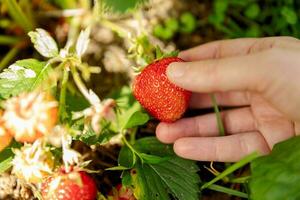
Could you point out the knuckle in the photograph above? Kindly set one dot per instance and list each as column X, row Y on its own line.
column 243, row 144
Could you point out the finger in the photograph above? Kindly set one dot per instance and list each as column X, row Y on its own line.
column 200, row 100
column 221, row 75
column 224, row 149
column 236, row 47
column 235, row 121
column 218, row 49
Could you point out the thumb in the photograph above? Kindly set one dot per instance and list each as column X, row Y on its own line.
column 220, row 75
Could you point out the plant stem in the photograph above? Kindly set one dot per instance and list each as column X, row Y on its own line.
column 18, row 15
column 80, row 84
column 8, row 40
column 132, row 135
column 218, row 116
column 240, row 179
column 116, row 28
column 131, row 147
column 62, row 96
column 231, row 169
column 9, row 56
column 226, row 190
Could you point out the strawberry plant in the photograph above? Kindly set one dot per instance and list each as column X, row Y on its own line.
column 82, row 87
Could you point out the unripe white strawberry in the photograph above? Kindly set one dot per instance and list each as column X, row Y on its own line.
column 29, row 116
column 5, row 136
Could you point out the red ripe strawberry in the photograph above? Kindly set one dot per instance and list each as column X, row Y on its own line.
column 74, row 185
column 161, row 98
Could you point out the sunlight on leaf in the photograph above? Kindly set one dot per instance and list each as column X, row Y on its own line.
column 23, row 75
column 43, row 43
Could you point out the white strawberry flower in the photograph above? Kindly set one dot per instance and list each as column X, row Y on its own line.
column 70, row 156
column 33, row 162
column 30, row 116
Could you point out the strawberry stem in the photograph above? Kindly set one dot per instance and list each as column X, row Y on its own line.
column 62, row 96
column 218, row 115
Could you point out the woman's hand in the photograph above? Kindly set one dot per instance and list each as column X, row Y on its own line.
column 261, row 77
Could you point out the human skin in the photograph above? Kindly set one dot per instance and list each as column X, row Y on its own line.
column 259, row 79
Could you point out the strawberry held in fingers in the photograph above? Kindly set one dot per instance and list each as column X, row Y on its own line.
column 73, row 185
column 161, row 98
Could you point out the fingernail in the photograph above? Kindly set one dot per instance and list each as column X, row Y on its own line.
column 176, row 70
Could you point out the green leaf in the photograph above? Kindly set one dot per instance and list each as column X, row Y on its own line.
column 121, row 6
column 151, row 159
column 136, row 119
column 126, row 157
column 125, row 114
column 172, row 24
column 126, row 178
column 90, row 137
column 188, row 22
column 277, row 176
column 75, row 102
column 226, row 190
column 161, row 178
column 289, row 14
column 43, row 43
column 5, row 165
column 220, row 6
column 117, row 168
column 7, row 152
column 6, row 156
column 22, row 76
column 252, row 11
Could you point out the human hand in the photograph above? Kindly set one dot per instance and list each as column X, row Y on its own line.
column 258, row 76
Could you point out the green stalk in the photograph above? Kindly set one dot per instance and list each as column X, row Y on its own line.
column 243, row 179
column 218, row 115
column 80, row 84
column 62, row 96
column 226, row 190
column 8, row 57
column 18, row 15
column 116, row 28
column 135, row 153
column 8, row 40
column 231, row 169
column 132, row 135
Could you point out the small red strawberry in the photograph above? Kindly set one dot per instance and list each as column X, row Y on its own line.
column 74, row 185
column 161, row 98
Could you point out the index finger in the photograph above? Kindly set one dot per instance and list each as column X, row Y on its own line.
column 235, row 47
column 218, row 49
